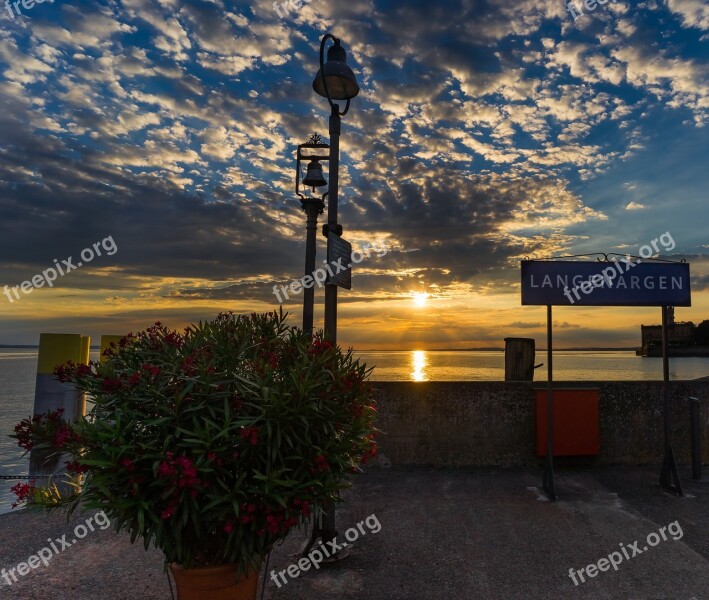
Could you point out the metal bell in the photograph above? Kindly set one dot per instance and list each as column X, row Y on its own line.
column 314, row 177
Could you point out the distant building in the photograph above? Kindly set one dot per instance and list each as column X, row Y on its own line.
column 683, row 337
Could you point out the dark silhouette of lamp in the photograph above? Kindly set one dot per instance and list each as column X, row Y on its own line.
column 334, row 79
column 313, row 151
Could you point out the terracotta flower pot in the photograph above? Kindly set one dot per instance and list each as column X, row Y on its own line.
column 215, row 583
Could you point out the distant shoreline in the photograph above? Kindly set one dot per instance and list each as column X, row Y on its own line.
column 630, row 349
column 31, row 347
column 18, row 346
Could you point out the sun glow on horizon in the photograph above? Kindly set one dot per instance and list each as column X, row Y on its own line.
column 420, row 298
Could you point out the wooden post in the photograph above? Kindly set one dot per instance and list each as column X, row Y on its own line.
column 519, row 359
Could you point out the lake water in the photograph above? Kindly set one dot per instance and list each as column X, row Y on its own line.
column 18, row 370
column 482, row 365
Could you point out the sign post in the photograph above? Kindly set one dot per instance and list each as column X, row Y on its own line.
column 669, row 478
column 630, row 281
column 548, row 478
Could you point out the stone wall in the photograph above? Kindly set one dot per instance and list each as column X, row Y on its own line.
column 492, row 423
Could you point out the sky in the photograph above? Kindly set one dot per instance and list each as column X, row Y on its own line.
column 165, row 132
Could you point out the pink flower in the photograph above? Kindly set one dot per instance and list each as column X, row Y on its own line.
column 173, row 339
column 84, row 370
column 23, row 431
column 55, row 415
column 182, row 472
column 272, row 360
column 321, row 463
column 65, row 372
column 217, row 460
column 371, row 453
column 189, row 365
column 75, row 467
column 111, row 385
column 62, row 436
column 169, row 510
column 319, row 347
column 165, row 469
column 153, row 370
column 250, row 434
column 23, row 491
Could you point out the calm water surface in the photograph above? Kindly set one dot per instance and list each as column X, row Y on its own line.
column 18, row 369
column 423, row 365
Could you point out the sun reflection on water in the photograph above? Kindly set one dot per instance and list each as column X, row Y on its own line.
column 419, row 362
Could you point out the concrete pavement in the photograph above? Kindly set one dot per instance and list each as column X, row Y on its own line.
column 445, row 533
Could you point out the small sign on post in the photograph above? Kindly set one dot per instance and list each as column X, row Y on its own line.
column 339, row 256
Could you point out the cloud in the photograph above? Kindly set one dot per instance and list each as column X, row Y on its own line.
column 694, row 13
column 527, row 325
column 635, row 206
column 173, row 126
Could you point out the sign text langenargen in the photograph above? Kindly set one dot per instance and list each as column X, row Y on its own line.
column 609, row 283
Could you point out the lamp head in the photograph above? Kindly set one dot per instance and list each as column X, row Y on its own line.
column 341, row 81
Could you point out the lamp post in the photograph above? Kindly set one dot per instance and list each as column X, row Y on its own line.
column 312, row 207
column 334, row 81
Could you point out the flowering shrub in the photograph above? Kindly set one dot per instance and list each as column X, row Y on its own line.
column 212, row 444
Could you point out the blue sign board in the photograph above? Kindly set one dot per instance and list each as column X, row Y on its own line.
column 622, row 282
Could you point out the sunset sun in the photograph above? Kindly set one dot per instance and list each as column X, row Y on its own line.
column 420, row 298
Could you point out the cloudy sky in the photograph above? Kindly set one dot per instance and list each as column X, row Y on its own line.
column 485, row 132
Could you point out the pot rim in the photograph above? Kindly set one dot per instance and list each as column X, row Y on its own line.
column 210, row 568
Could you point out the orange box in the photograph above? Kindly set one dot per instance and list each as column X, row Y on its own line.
column 577, row 427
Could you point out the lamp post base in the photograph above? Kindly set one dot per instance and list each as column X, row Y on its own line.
column 319, row 534
column 669, row 478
